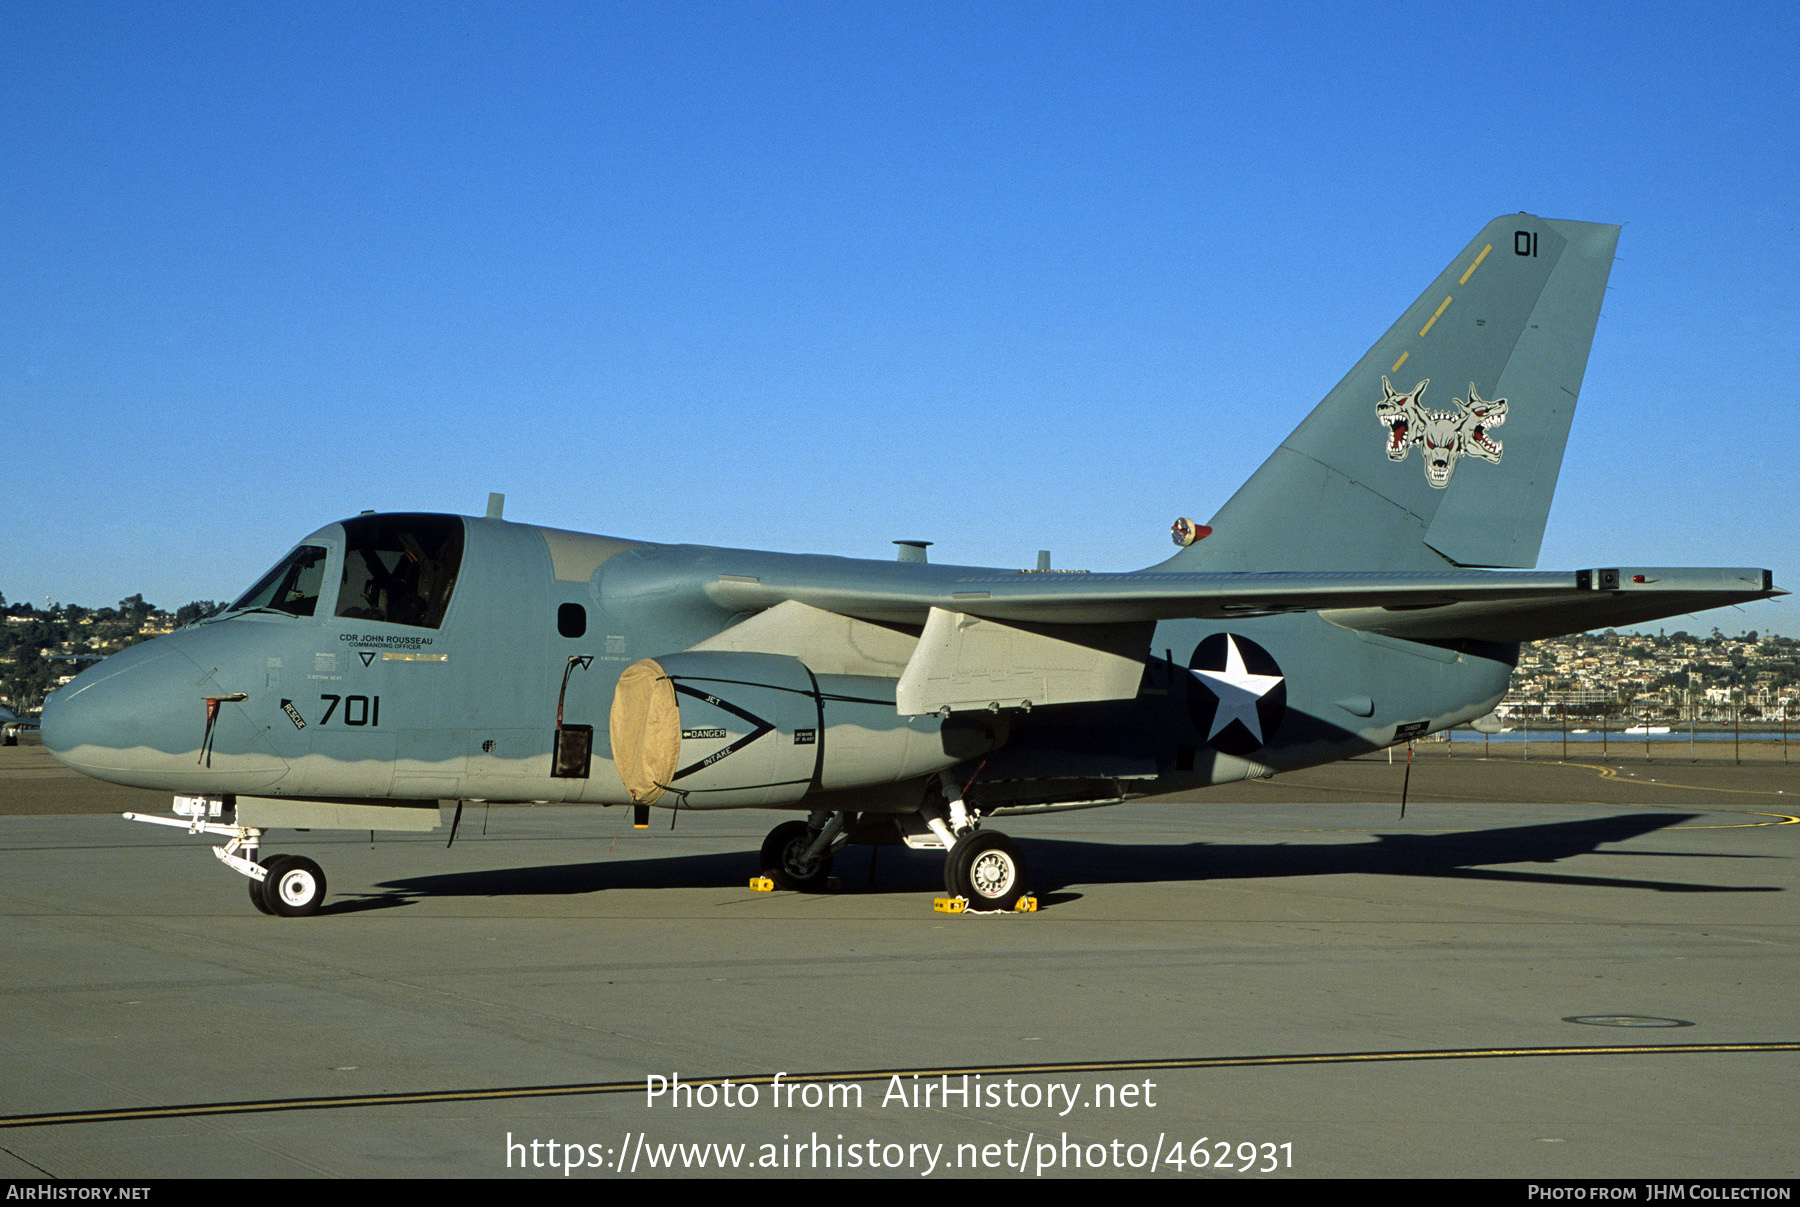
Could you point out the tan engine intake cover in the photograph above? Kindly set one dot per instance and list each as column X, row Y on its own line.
column 646, row 730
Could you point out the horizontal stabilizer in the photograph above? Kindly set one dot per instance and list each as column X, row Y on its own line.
column 1609, row 598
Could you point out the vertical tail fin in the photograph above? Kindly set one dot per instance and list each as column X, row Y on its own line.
column 1406, row 464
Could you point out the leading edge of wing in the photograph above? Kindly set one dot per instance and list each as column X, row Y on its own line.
column 1354, row 599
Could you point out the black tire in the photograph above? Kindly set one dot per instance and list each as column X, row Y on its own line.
column 781, row 852
column 987, row 868
column 954, row 862
column 259, row 889
column 296, row 888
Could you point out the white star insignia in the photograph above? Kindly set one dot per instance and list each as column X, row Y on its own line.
column 1238, row 691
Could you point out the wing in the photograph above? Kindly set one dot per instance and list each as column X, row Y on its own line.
column 1484, row 605
column 993, row 640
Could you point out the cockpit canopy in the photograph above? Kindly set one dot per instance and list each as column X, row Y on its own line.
column 400, row 569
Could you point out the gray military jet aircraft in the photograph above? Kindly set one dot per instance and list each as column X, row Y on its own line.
column 1348, row 597
column 12, row 725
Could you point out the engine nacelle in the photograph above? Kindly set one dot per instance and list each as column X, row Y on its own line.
column 736, row 730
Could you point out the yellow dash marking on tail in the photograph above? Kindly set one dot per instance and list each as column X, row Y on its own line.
column 1477, row 264
column 1433, row 318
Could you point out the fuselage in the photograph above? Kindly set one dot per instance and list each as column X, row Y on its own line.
column 414, row 657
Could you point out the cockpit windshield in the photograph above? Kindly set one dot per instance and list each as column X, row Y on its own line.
column 400, row 568
column 291, row 587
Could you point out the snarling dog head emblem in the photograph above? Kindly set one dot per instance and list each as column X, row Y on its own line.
column 1445, row 435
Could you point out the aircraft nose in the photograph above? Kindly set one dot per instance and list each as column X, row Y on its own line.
column 135, row 707
column 138, row 718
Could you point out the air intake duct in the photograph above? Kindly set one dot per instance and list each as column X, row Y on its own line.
column 733, row 730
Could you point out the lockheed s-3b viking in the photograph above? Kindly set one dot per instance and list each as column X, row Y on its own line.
column 1345, row 599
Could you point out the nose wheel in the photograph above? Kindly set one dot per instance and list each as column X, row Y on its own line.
column 293, row 888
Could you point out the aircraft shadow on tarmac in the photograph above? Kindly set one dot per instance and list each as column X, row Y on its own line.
column 1058, row 863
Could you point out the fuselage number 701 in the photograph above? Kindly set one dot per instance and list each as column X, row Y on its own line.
column 358, row 710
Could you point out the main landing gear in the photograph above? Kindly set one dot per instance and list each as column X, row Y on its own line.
column 983, row 866
column 986, row 867
column 797, row 854
column 288, row 886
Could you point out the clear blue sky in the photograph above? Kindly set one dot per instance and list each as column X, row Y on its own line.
column 816, row 277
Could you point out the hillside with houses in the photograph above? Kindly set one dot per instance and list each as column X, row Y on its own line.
column 43, row 648
column 1660, row 677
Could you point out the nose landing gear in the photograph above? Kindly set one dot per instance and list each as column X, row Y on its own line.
column 288, row 886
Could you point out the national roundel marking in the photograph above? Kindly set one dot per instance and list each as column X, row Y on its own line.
column 1238, row 694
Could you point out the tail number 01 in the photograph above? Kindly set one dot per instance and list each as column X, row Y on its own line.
column 358, row 710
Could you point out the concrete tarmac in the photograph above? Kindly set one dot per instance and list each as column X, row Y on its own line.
column 1286, row 970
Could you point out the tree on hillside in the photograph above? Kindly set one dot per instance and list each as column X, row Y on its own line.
column 200, row 609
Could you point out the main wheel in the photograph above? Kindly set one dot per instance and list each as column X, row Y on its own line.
column 781, row 854
column 988, row 869
column 296, row 887
column 259, row 889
